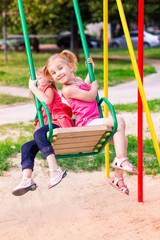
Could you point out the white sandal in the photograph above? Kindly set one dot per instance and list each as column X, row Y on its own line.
column 27, row 184
column 58, row 178
column 123, row 188
column 117, row 163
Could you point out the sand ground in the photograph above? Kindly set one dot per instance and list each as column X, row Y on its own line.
column 82, row 206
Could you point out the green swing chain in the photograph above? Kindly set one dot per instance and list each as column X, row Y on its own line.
column 85, row 47
column 32, row 71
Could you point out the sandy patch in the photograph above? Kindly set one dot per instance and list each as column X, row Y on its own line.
column 83, row 206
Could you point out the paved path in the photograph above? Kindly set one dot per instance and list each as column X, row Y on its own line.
column 123, row 93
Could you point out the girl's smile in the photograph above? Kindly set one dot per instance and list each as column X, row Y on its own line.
column 61, row 72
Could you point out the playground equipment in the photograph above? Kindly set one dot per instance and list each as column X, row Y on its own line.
column 78, row 140
column 141, row 92
column 107, row 132
column 140, row 105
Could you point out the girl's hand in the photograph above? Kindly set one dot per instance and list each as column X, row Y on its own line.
column 32, row 83
column 90, row 60
column 94, row 84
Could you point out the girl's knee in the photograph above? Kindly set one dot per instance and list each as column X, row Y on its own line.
column 25, row 147
column 36, row 135
column 40, row 133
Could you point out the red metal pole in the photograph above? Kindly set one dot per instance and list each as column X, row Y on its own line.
column 140, row 105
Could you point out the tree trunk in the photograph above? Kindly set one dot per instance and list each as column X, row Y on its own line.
column 4, row 36
column 36, row 44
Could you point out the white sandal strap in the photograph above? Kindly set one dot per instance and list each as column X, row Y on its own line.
column 55, row 169
column 119, row 161
column 117, row 179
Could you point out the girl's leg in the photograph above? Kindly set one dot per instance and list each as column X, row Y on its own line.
column 40, row 136
column 56, row 173
column 120, row 142
column 28, row 151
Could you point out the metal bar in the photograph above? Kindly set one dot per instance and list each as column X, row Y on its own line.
column 140, row 105
column 105, row 64
column 29, row 57
column 85, row 47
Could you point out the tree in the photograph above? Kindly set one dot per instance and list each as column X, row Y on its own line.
column 4, row 8
column 152, row 11
column 48, row 16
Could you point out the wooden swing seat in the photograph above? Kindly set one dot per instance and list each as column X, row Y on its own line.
column 78, row 140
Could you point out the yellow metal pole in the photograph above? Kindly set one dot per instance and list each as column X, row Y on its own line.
column 138, row 78
column 105, row 62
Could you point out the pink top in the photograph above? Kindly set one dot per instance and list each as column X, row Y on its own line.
column 84, row 112
column 60, row 112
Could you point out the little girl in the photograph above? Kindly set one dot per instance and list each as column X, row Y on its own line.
column 81, row 96
column 61, row 117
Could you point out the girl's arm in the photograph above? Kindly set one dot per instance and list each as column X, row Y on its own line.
column 74, row 92
column 46, row 97
column 87, row 80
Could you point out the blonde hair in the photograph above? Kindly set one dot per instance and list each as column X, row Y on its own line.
column 67, row 56
column 46, row 76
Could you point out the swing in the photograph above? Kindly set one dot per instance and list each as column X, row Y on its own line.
column 72, row 141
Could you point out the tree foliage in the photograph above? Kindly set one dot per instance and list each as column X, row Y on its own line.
column 51, row 17
column 48, row 16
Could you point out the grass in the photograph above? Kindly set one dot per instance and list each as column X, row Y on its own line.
column 154, row 106
column 18, row 134
column 119, row 71
column 15, row 72
column 11, row 146
column 152, row 53
column 8, row 99
column 8, row 150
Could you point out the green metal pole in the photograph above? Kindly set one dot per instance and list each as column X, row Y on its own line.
column 29, row 57
column 85, row 47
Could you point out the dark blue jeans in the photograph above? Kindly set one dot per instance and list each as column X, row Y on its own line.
column 40, row 143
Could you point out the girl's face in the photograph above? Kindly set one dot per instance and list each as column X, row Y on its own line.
column 61, row 72
column 41, row 81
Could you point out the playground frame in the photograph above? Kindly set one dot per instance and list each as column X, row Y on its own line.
column 138, row 70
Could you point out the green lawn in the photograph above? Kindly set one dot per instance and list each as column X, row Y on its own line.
column 154, row 106
column 152, row 53
column 15, row 72
column 8, row 99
